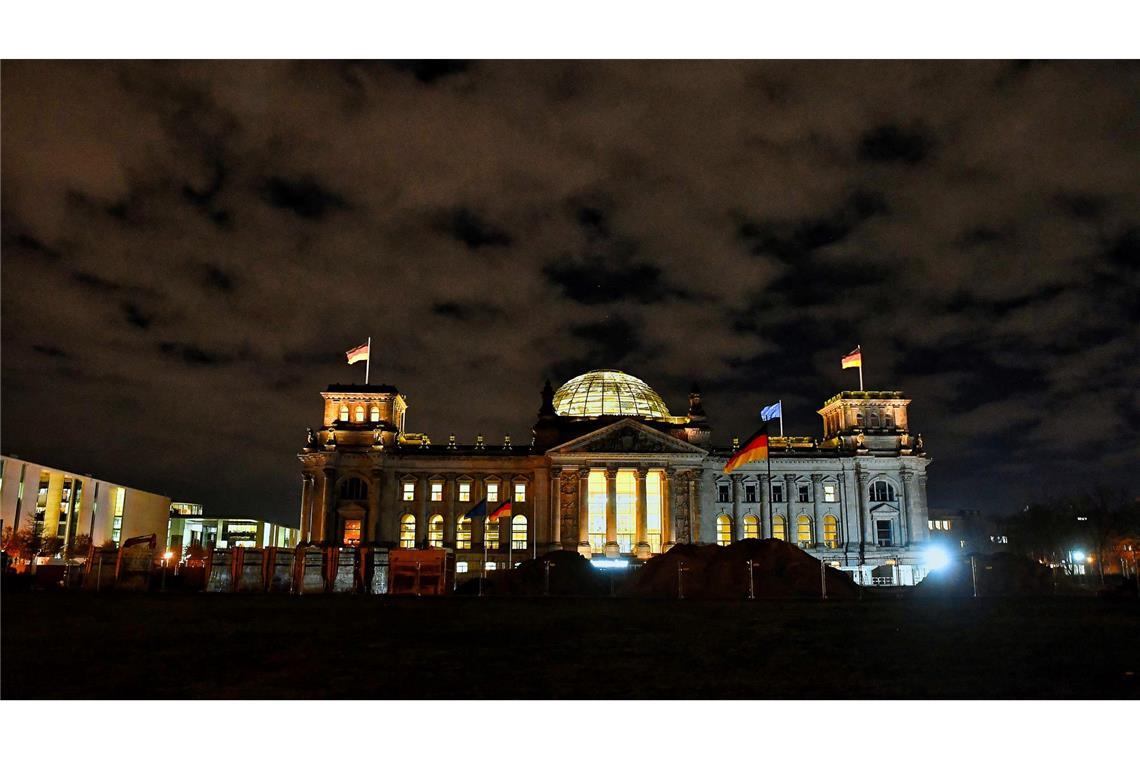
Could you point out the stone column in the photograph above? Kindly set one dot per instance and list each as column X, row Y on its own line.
column 668, row 488
column 921, row 514
column 555, row 509
column 817, row 508
column 306, row 505
column 790, row 493
column 694, row 507
column 765, row 506
column 584, row 511
column 450, row 497
column 478, row 524
column 735, row 480
column 51, row 506
column 612, row 548
column 423, row 486
column 389, row 508
column 328, row 506
column 372, row 519
column 642, row 548
column 867, row 530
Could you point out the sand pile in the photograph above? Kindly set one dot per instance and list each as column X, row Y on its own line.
column 780, row 570
column 998, row 575
column 571, row 574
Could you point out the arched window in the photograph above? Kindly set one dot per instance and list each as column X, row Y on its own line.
column 751, row 526
column 463, row 533
column 858, row 420
column 888, row 420
column 779, row 528
column 881, row 490
column 518, row 532
column 354, row 488
column 874, row 420
column 374, row 414
column 491, row 534
column 408, row 532
column 435, row 531
column 803, row 531
column 359, row 415
column 351, row 532
column 723, row 530
column 343, row 416
column 831, row 532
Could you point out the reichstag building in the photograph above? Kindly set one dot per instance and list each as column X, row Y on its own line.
column 611, row 473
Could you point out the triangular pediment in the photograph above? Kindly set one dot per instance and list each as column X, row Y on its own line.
column 627, row 437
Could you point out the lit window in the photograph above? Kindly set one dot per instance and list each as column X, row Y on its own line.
column 883, row 533
column 460, row 567
column 463, row 533
column 359, row 414
column 751, row 526
column 830, row 495
column 491, row 534
column 750, row 493
column 930, row 524
column 723, row 530
column 437, row 491
column 492, row 492
column 491, row 566
column 831, row 532
column 779, row 529
column 518, row 532
column 722, row 493
column 117, row 524
column 351, row 532
column 778, row 492
column 374, row 414
column 409, row 491
column 435, row 532
column 520, row 492
column 804, row 494
column 948, row 524
column 803, row 531
column 408, row 532
column 881, row 490
column 465, row 492
column 343, row 416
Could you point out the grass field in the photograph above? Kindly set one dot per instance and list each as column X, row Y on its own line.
column 57, row 645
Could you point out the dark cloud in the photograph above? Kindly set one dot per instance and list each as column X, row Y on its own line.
column 210, row 237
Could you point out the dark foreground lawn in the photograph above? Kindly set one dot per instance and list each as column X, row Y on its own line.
column 205, row 646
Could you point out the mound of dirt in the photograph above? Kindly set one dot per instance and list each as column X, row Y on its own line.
column 571, row 574
column 998, row 575
column 779, row 570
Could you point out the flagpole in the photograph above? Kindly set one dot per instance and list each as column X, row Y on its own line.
column 368, row 361
column 771, row 525
column 860, row 349
column 781, row 403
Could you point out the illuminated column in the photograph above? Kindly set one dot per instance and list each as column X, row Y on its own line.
column 306, row 504
column 584, row 510
column 694, row 508
column 866, row 530
column 389, row 513
column 555, row 509
column 790, row 492
column 51, row 507
column 479, row 524
column 668, row 488
column 765, row 506
column 328, row 506
column 450, row 495
column 818, row 509
column 735, row 506
column 642, row 548
column 423, row 488
column 612, row 548
column 919, row 526
column 372, row 519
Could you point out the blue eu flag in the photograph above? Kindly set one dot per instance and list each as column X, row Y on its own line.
column 772, row 412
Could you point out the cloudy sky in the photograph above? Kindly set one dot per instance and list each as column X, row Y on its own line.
column 188, row 249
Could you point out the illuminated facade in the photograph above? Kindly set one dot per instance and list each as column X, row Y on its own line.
column 60, row 507
column 188, row 527
column 609, row 472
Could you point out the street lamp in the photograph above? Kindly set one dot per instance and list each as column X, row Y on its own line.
column 681, row 570
column 546, row 581
column 165, row 562
column 751, row 579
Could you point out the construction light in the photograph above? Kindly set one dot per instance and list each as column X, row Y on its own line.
column 936, row 558
column 1078, row 556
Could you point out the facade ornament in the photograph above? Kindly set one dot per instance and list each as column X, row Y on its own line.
column 451, row 441
column 310, row 440
column 330, row 441
column 507, row 442
column 479, row 442
column 377, row 441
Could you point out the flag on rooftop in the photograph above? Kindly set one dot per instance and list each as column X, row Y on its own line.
column 773, row 411
column 853, row 359
column 755, row 449
column 358, row 354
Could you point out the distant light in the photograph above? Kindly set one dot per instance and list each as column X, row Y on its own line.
column 168, row 555
column 1078, row 556
column 937, row 558
column 610, row 562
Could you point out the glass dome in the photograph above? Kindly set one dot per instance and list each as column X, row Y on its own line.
column 608, row 391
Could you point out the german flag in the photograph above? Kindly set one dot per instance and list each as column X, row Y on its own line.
column 502, row 509
column 853, row 359
column 755, row 449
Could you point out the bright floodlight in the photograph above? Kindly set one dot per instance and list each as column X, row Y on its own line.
column 937, row 558
column 1078, row 556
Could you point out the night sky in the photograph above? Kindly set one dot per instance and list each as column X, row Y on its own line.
column 188, row 250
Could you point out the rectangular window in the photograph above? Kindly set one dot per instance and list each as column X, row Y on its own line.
column 437, row 491
column 492, row 492
column 117, row 524
column 492, row 566
column 930, row 524
column 409, row 491
column 722, row 494
column 778, row 492
column 883, row 532
column 750, row 493
column 520, row 492
column 829, row 493
column 463, row 533
column 460, row 567
column 805, row 494
column 351, row 532
column 465, row 492
column 491, row 534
